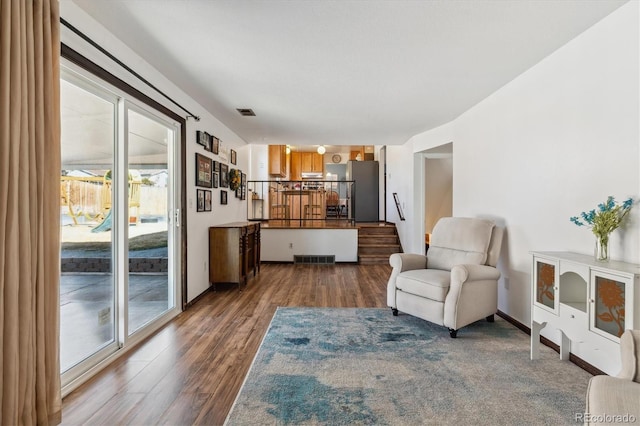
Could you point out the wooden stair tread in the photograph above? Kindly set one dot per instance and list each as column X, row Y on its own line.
column 376, row 242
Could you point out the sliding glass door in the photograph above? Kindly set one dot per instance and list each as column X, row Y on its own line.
column 150, row 289
column 118, row 197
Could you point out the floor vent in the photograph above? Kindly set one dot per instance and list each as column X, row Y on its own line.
column 314, row 259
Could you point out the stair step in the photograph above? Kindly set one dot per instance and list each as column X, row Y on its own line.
column 377, row 239
column 376, row 230
column 373, row 259
column 378, row 248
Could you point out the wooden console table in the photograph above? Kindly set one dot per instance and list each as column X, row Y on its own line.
column 234, row 252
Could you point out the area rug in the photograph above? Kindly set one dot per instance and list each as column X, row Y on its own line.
column 364, row 366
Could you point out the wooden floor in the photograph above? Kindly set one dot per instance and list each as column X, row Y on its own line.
column 191, row 370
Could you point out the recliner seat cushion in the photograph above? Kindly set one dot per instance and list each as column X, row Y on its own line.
column 428, row 283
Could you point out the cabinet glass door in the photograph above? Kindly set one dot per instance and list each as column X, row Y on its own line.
column 608, row 297
column 545, row 284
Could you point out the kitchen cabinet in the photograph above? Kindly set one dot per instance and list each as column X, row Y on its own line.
column 278, row 160
column 234, row 252
column 306, row 162
column 357, row 155
column 296, row 166
column 583, row 306
column 312, row 162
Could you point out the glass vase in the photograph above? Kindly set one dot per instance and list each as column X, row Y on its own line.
column 602, row 248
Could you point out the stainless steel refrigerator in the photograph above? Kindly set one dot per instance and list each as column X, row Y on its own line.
column 364, row 196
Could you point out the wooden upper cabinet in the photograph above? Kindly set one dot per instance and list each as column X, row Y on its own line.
column 296, row 166
column 307, row 161
column 354, row 154
column 312, row 162
column 317, row 165
column 278, row 160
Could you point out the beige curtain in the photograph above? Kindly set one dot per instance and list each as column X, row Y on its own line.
column 29, row 212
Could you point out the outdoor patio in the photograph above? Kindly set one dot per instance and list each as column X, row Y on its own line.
column 86, row 285
column 83, row 296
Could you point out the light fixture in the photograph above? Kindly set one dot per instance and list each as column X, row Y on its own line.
column 321, row 150
column 288, row 149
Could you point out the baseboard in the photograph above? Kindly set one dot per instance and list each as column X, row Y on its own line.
column 197, row 298
column 574, row 359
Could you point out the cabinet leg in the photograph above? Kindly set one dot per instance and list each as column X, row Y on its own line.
column 565, row 346
column 535, row 338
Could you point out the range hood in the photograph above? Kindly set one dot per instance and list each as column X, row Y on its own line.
column 311, row 175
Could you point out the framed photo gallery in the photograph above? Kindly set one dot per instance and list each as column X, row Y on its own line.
column 212, row 173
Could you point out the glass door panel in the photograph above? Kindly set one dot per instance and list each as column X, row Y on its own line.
column 545, row 285
column 87, row 286
column 609, row 299
column 150, row 281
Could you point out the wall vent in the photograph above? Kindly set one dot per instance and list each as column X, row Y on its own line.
column 247, row 112
column 314, row 259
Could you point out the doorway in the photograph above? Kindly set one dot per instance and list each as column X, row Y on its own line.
column 438, row 187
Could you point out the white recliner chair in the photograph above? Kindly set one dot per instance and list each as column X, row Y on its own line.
column 616, row 400
column 457, row 282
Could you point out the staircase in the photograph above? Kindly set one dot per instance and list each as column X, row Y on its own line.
column 376, row 242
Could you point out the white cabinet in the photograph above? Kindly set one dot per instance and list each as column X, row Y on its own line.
column 583, row 306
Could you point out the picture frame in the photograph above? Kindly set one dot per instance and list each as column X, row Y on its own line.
column 216, row 179
column 204, row 175
column 207, row 200
column 204, row 139
column 239, row 192
column 224, row 175
column 207, row 143
column 223, row 197
column 215, row 145
column 216, row 166
column 233, row 156
column 223, row 152
column 200, row 200
column 243, row 186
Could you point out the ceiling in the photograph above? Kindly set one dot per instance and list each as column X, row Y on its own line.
column 342, row 72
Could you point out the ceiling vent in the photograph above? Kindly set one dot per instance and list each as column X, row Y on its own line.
column 247, row 112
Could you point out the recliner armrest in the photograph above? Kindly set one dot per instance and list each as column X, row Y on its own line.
column 472, row 294
column 464, row 273
column 402, row 262
column 408, row 261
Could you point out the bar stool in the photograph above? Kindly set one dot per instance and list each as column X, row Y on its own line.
column 279, row 211
column 312, row 210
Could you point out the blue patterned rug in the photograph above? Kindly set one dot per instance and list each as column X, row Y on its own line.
column 364, row 366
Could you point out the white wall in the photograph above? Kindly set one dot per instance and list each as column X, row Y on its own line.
column 438, row 194
column 280, row 245
column 400, row 179
column 197, row 223
column 552, row 143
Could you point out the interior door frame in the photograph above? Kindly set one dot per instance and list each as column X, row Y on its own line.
column 383, row 161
